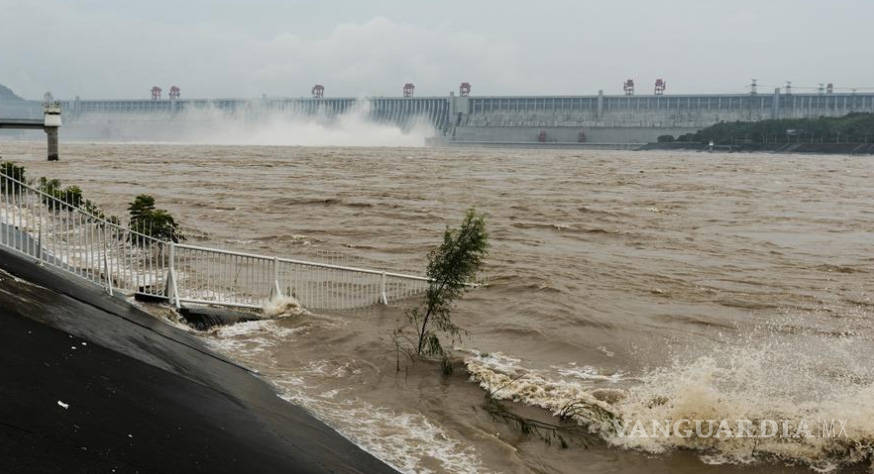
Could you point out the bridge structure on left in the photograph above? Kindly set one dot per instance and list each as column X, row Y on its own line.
column 50, row 123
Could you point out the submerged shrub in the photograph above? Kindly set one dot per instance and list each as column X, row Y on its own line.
column 10, row 174
column 157, row 223
column 57, row 198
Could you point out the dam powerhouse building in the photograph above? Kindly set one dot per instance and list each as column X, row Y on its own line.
column 464, row 118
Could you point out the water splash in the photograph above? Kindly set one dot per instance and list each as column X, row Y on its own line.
column 806, row 400
column 284, row 306
column 208, row 125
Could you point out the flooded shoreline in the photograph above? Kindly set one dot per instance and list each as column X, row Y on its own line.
column 708, row 280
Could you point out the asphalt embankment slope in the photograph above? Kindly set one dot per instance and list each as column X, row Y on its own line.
column 140, row 395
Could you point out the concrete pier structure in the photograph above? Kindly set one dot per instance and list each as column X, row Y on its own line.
column 536, row 119
column 50, row 123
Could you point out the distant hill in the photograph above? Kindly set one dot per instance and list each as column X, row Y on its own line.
column 6, row 95
column 13, row 106
column 855, row 127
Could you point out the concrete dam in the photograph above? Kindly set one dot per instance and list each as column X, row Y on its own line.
column 525, row 120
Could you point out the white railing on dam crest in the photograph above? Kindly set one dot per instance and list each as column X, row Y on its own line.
column 117, row 258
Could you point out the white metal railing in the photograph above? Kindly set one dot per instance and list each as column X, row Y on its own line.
column 206, row 275
column 118, row 258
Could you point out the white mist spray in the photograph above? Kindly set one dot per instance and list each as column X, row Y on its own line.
column 255, row 126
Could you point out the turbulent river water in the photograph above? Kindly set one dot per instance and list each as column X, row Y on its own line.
column 623, row 287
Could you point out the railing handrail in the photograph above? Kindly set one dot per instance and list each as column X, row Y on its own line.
column 302, row 262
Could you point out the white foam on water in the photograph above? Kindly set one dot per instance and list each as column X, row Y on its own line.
column 496, row 361
column 744, row 388
column 283, row 307
column 326, row 368
column 514, row 382
column 771, row 381
column 258, row 327
column 588, row 373
column 407, row 441
column 250, row 341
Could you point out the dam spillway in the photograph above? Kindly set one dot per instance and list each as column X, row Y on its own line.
column 509, row 119
column 401, row 111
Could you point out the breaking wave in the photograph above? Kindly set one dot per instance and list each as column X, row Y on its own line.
column 283, row 306
column 740, row 404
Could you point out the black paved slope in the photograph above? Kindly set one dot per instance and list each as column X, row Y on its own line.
column 142, row 396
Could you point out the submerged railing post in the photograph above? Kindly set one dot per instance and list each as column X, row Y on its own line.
column 275, row 290
column 106, row 262
column 383, row 298
column 39, row 234
column 172, row 289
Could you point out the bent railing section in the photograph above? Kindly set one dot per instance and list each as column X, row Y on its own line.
column 117, row 258
column 205, row 275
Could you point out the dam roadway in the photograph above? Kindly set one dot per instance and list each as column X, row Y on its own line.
column 589, row 119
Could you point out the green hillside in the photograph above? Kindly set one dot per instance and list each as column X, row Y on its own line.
column 851, row 128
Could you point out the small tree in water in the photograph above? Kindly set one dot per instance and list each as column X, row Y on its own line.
column 451, row 267
column 58, row 198
column 157, row 223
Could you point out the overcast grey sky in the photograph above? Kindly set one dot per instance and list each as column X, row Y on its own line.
column 120, row 49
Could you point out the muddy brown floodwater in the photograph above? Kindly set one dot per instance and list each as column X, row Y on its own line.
column 648, row 287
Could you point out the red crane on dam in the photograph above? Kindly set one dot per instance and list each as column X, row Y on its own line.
column 318, row 91
column 660, row 86
column 156, row 93
column 175, row 92
column 628, row 87
column 464, row 89
column 408, row 89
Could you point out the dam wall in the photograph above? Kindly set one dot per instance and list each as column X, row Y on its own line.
column 685, row 111
column 508, row 119
column 629, row 119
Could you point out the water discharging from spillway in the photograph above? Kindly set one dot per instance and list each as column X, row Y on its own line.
column 251, row 126
column 636, row 288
